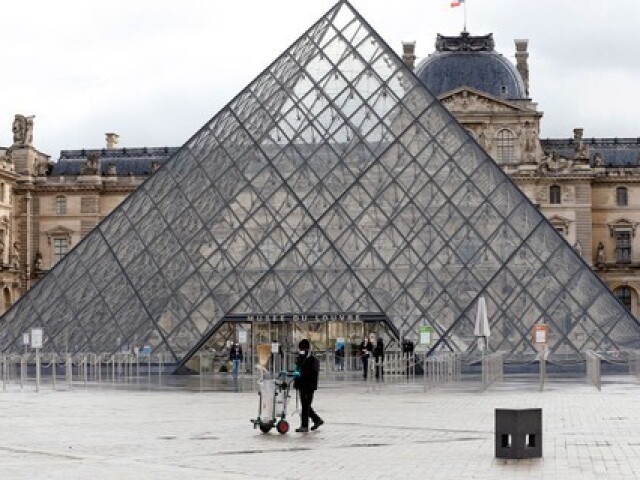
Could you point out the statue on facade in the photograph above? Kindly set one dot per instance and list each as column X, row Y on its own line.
column 554, row 162
column 37, row 264
column 482, row 139
column 598, row 161
column 601, row 255
column 582, row 151
column 578, row 248
column 22, row 131
column 15, row 256
column 91, row 166
column 1, row 252
column 530, row 141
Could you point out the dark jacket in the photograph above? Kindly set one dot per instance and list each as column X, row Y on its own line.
column 309, row 368
column 235, row 353
column 407, row 347
column 378, row 352
column 366, row 348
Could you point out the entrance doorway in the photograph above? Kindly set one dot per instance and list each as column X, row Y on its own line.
column 326, row 332
column 325, row 335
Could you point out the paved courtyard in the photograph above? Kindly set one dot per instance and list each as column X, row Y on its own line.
column 390, row 433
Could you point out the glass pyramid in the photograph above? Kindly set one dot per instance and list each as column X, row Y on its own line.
column 335, row 182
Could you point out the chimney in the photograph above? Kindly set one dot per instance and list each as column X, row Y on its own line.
column 112, row 140
column 409, row 54
column 522, row 62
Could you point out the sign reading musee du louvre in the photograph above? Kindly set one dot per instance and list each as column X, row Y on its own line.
column 306, row 317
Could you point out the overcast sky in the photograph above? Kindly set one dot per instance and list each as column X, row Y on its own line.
column 154, row 71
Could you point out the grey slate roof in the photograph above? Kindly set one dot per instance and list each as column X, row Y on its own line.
column 615, row 152
column 485, row 71
column 128, row 161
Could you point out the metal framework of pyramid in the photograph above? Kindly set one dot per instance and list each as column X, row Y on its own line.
column 335, row 182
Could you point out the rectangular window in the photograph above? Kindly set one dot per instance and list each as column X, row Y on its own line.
column 623, row 247
column 60, row 248
column 60, row 207
column 555, row 195
column 621, row 196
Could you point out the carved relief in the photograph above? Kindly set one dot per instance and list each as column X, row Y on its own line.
column 542, row 194
column 471, row 102
column 568, row 194
column 553, row 162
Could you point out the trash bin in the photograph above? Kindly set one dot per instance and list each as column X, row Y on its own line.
column 519, row 433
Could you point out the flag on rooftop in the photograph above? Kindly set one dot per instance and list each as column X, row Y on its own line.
column 456, row 3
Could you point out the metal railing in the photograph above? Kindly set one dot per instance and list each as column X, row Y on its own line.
column 64, row 371
column 492, row 369
column 441, row 368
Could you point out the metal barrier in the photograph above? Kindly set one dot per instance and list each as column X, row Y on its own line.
column 492, row 369
column 594, row 370
column 33, row 370
column 442, row 368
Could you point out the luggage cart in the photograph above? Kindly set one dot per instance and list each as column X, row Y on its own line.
column 272, row 408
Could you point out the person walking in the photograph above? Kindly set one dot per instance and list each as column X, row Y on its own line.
column 339, row 355
column 366, row 347
column 306, row 382
column 235, row 355
column 378, row 355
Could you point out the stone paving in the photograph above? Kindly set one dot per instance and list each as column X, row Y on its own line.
column 391, row 432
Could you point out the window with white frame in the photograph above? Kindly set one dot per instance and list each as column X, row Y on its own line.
column 60, row 207
column 60, row 248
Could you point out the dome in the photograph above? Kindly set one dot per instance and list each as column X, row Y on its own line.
column 471, row 62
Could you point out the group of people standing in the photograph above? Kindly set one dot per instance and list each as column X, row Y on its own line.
column 367, row 352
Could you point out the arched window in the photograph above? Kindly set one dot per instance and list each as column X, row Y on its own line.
column 506, row 146
column 555, row 194
column 624, row 295
column 2, row 192
column 622, row 197
column 61, row 205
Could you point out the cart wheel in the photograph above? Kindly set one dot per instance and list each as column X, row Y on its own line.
column 282, row 426
column 265, row 428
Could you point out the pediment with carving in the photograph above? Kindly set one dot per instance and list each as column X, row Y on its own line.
column 57, row 232
column 622, row 224
column 470, row 100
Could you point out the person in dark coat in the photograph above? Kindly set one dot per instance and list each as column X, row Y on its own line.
column 407, row 351
column 378, row 355
column 366, row 347
column 308, row 368
column 235, row 355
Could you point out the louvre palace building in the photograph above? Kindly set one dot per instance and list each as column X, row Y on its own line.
column 347, row 189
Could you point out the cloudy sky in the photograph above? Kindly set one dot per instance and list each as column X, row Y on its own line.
column 154, row 71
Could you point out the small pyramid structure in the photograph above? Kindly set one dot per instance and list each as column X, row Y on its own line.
column 334, row 182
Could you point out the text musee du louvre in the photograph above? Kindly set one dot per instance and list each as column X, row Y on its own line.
column 313, row 317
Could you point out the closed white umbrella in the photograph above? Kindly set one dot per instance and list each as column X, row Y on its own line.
column 482, row 329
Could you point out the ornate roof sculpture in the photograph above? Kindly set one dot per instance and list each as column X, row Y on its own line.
column 335, row 182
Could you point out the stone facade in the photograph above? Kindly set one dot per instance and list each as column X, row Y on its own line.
column 46, row 208
column 588, row 188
